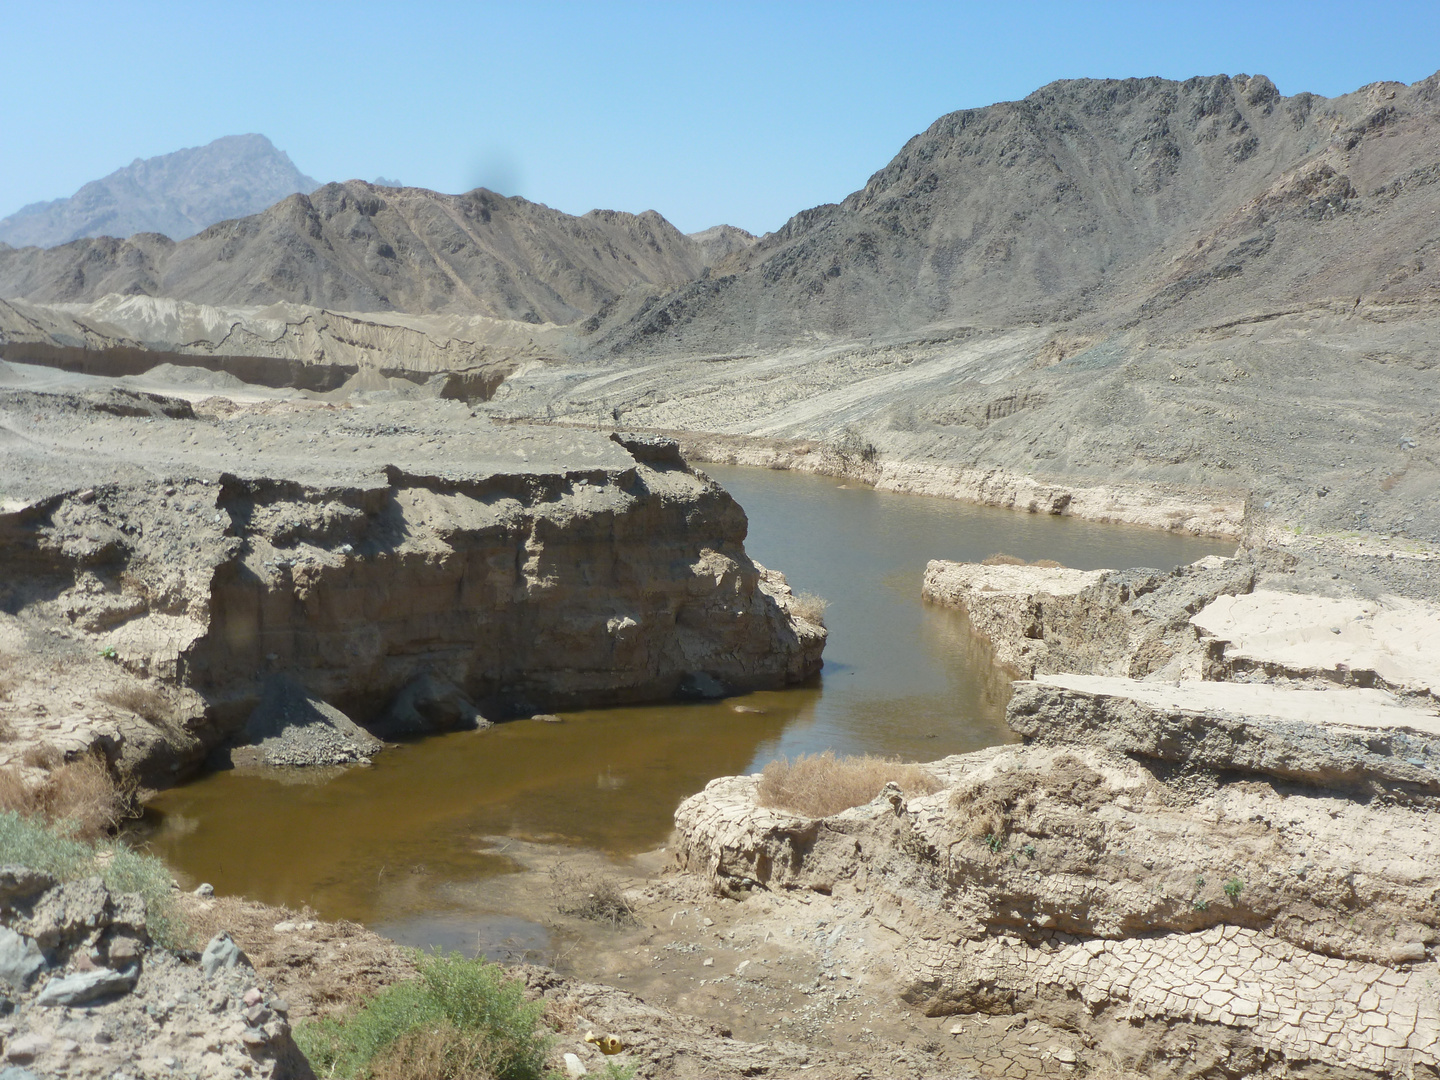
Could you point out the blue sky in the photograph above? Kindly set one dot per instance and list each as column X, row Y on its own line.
column 707, row 112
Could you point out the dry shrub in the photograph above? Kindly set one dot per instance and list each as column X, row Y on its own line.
column 42, row 756
column 1001, row 559
column 987, row 808
column 590, row 895
column 144, row 701
column 809, row 607
column 84, row 794
column 818, row 785
column 438, row 1051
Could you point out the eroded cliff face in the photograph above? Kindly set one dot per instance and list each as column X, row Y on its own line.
column 509, row 571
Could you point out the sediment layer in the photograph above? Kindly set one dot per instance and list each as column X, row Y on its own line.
column 358, row 552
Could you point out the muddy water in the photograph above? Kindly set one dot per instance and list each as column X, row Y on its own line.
column 401, row 845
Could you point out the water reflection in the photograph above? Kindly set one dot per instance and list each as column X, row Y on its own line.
column 387, row 845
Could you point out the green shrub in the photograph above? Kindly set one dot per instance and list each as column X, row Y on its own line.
column 489, row 1029
column 31, row 842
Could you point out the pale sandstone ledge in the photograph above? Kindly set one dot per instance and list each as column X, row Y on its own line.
column 1108, row 901
column 1218, row 514
column 1134, row 623
column 1393, row 639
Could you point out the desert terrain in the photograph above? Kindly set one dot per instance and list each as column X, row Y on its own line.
column 376, row 463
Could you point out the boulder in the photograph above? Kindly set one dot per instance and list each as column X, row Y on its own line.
column 85, row 986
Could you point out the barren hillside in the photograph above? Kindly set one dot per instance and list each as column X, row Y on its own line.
column 356, row 247
column 1110, row 200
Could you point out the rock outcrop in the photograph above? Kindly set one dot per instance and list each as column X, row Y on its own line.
column 1189, row 869
column 356, row 552
column 1075, row 885
column 96, row 997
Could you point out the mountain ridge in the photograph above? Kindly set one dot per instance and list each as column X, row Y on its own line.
column 176, row 194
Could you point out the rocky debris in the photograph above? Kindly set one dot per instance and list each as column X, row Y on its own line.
column 1133, row 623
column 20, row 959
column 361, row 553
column 1203, row 893
column 114, row 1004
column 1337, row 739
column 427, row 706
column 291, row 727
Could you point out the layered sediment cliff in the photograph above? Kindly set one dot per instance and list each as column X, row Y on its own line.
column 414, row 567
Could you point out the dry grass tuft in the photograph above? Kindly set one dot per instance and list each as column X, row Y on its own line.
column 591, row 895
column 144, row 701
column 818, row 785
column 809, row 607
column 438, row 1051
column 1001, row 559
column 84, row 794
column 42, row 756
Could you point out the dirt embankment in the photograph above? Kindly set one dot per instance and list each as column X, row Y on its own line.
column 181, row 577
column 1180, row 864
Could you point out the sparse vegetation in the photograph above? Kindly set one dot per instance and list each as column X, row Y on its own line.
column 58, row 850
column 809, row 607
column 818, row 785
column 1233, row 888
column 1002, row 559
column 144, row 701
column 461, row 1020
column 593, row 895
column 83, row 796
column 852, row 446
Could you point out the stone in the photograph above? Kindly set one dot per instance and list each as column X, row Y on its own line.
column 1411, row 952
column 253, row 997
column 87, row 986
column 20, row 959
column 70, row 912
column 14, row 1072
column 574, row 1067
column 26, row 1047
column 428, row 705
column 22, row 885
column 205, row 889
column 222, row 954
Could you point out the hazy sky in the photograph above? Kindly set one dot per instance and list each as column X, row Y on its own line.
column 707, row 112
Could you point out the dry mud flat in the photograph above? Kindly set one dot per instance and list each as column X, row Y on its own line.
column 1213, row 855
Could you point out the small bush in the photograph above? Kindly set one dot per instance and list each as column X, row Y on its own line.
column 818, row 785
column 461, row 1020
column 82, row 794
column 30, row 842
column 809, row 607
column 1001, row 559
column 590, row 896
column 1233, row 888
column 144, row 701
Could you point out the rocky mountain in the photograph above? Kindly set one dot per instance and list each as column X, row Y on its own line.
column 721, row 241
column 357, row 247
column 175, row 194
column 1130, row 198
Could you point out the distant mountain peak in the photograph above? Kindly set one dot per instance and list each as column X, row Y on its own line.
column 176, row 194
